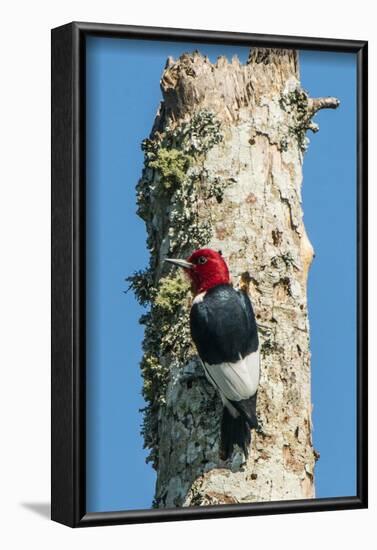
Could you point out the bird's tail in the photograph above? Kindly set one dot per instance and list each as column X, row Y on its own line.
column 234, row 431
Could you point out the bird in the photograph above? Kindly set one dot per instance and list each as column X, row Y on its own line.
column 224, row 331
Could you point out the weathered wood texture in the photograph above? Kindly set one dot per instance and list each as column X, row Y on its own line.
column 224, row 169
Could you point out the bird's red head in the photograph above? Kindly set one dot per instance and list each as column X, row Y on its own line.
column 206, row 268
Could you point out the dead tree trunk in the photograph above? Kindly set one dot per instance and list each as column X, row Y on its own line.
column 223, row 168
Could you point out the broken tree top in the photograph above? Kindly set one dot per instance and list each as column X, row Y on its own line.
column 227, row 88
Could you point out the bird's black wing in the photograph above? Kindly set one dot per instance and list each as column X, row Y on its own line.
column 223, row 325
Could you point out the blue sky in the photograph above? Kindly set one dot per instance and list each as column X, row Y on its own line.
column 122, row 98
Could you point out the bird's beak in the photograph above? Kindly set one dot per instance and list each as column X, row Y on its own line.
column 179, row 263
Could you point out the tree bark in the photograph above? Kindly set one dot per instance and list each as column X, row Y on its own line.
column 223, row 169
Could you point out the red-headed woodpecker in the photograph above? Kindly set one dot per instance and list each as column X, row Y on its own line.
column 224, row 330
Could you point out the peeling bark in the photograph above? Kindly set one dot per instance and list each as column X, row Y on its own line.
column 256, row 220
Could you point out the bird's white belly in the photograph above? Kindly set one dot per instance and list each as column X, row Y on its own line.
column 199, row 298
column 236, row 381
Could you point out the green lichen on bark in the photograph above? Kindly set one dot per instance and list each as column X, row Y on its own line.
column 174, row 174
column 296, row 103
column 165, row 340
column 172, row 165
column 175, row 180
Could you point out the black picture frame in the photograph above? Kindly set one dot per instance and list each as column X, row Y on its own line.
column 68, row 275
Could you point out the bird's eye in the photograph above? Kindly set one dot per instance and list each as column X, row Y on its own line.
column 202, row 260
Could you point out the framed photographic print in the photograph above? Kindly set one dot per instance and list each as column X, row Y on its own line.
column 209, row 292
